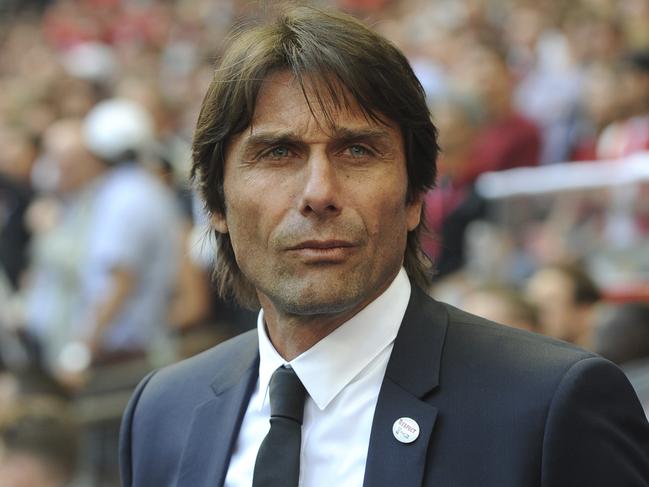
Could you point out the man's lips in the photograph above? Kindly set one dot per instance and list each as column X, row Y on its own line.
column 323, row 251
column 321, row 244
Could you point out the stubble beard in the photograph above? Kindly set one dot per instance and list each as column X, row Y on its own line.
column 292, row 297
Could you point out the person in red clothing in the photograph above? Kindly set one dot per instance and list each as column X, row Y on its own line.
column 631, row 133
column 503, row 139
column 601, row 106
column 506, row 138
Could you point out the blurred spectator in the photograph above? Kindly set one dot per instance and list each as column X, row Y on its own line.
column 21, row 373
column 105, row 271
column 503, row 305
column 506, row 138
column 629, row 134
column 542, row 56
column 61, row 226
column 190, row 302
column 567, row 300
column 133, row 243
column 39, row 445
column 18, row 151
column 481, row 131
column 622, row 335
column 600, row 107
column 452, row 205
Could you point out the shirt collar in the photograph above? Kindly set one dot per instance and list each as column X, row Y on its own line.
column 332, row 363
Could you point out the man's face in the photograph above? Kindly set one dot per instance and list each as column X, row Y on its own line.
column 317, row 214
column 75, row 166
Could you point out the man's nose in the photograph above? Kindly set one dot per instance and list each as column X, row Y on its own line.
column 321, row 195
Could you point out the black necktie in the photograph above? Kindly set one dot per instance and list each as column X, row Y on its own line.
column 278, row 459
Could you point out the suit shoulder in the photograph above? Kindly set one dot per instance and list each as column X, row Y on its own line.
column 509, row 349
column 159, row 416
column 228, row 359
column 481, row 327
column 596, row 421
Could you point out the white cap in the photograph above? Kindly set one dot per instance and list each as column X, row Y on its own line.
column 116, row 126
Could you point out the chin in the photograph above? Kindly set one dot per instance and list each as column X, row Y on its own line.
column 316, row 302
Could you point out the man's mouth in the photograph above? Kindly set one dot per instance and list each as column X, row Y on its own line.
column 320, row 251
column 321, row 244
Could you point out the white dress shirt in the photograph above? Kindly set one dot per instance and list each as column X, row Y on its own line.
column 342, row 374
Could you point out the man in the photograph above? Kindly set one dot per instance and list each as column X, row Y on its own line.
column 132, row 260
column 313, row 149
column 102, row 272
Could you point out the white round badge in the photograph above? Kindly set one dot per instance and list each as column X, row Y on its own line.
column 406, row 430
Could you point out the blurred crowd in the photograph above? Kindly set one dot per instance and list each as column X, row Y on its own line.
column 105, row 254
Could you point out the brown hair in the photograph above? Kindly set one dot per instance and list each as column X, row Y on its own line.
column 585, row 288
column 346, row 65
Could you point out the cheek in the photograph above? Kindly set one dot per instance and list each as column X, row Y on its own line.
column 387, row 218
column 252, row 214
column 246, row 240
column 243, row 220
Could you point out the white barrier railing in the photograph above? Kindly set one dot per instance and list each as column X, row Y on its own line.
column 564, row 177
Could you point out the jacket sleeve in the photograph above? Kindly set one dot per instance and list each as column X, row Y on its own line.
column 596, row 433
column 126, row 445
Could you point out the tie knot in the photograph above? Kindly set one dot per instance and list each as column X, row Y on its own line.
column 287, row 395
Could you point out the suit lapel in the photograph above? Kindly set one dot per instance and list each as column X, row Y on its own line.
column 412, row 373
column 215, row 423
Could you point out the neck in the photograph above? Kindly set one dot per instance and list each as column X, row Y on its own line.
column 291, row 335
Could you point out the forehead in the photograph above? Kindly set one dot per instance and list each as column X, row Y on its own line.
column 283, row 103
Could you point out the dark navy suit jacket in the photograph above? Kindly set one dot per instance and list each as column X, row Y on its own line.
column 496, row 407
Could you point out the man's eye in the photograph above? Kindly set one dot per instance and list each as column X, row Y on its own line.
column 358, row 150
column 278, row 152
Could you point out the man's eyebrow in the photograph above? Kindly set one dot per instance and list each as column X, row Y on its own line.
column 270, row 138
column 347, row 134
column 337, row 134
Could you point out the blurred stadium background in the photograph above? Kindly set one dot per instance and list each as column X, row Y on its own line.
column 539, row 220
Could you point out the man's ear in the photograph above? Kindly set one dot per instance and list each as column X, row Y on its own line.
column 219, row 222
column 414, row 210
